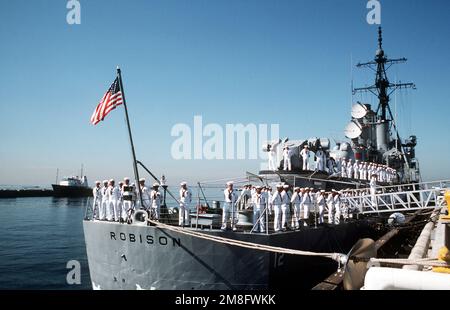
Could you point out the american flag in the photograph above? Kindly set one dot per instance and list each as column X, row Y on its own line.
column 111, row 99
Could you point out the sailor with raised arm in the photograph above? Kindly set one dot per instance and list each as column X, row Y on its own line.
column 229, row 208
column 97, row 194
column 287, row 154
column 305, row 157
column 321, row 203
column 259, row 204
column 185, row 202
column 273, row 155
column 105, row 202
column 276, row 203
column 156, row 197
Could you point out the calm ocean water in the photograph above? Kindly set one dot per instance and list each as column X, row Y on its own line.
column 38, row 236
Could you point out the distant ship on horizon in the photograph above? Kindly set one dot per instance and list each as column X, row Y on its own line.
column 73, row 186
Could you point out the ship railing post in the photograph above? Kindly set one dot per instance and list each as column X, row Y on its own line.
column 198, row 205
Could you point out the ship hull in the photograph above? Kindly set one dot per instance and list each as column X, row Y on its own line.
column 123, row 256
column 71, row 191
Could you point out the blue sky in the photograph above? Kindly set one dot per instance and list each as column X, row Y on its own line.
column 282, row 62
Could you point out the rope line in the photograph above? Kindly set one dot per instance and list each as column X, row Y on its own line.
column 245, row 244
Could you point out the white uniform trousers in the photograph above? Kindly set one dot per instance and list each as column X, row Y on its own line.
column 285, row 215
column 96, row 208
column 228, row 210
column 127, row 208
column 183, row 216
column 306, row 210
column 277, row 217
column 337, row 214
column 259, row 218
column 296, row 217
column 321, row 212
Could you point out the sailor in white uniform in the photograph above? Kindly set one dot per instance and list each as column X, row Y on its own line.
column 321, row 203
column 320, row 160
column 337, row 207
column 229, row 207
column 307, row 204
column 97, row 194
column 287, row 154
column 120, row 202
column 156, row 198
column 146, row 200
column 246, row 194
column 343, row 168
column 373, row 189
column 330, row 205
column 128, row 195
column 113, row 195
column 104, row 206
column 356, row 170
column 273, row 155
column 305, row 156
column 185, row 202
column 285, row 207
column 350, row 169
column 276, row 203
column 296, row 200
column 259, row 205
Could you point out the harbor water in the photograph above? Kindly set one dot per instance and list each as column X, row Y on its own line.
column 38, row 237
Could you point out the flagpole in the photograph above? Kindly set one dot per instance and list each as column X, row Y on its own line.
column 136, row 172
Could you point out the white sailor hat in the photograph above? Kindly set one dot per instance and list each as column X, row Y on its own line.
column 285, row 186
column 142, row 180
column 230, row 183
column 279, row 185
column 155, row 184
column 112, row 180
column 126, row 179
column 258, row 187
column 296, row 188
column 97, row 182
column 183, row 183
column 333, row 190
column 322, row 191
column 306, row 145
column 105, row 181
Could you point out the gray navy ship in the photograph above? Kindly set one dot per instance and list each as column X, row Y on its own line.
column 148, row 255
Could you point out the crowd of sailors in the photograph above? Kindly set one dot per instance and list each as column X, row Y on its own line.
column 117, row 203
column 346, row 168
column 289, row 206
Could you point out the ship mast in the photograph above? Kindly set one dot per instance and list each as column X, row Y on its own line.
column 383, row 90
